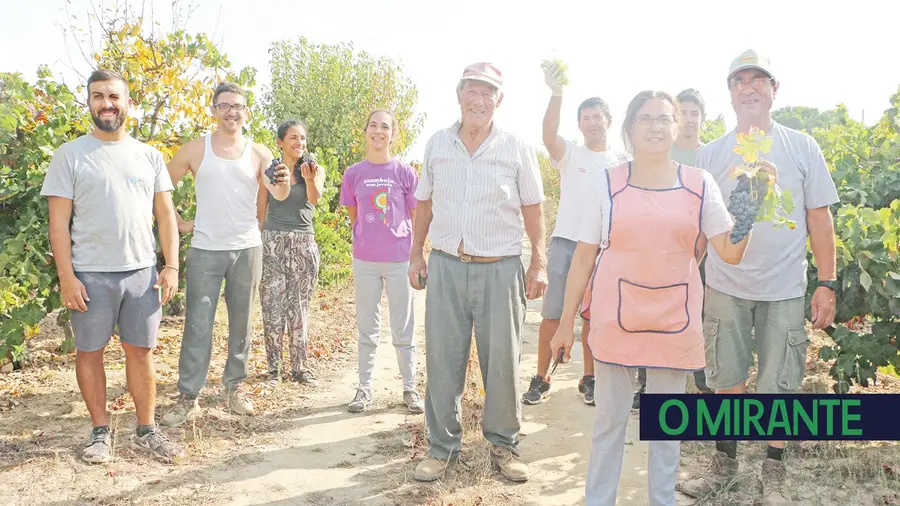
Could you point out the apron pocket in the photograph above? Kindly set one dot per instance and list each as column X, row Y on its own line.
column 657, row 309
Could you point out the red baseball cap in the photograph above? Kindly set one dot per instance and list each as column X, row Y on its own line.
column 484, row 72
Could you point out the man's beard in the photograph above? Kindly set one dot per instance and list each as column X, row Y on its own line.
column 112, row 125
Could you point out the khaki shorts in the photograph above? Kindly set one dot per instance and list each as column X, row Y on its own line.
column 781, row 342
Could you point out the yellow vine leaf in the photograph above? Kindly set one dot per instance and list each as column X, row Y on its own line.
column 752, row 142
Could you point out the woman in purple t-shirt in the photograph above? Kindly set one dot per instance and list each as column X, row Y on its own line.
column 378, row 193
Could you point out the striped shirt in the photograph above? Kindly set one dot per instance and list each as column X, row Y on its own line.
column 478, row 199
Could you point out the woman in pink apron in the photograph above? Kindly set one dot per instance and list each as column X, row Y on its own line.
column 650, row 220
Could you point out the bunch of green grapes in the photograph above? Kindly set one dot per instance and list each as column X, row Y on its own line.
column 564, row 79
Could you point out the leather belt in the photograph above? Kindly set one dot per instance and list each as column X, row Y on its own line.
column 472, row 259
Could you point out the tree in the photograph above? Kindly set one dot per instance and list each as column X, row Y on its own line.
column 712, row 129
column 332, row 88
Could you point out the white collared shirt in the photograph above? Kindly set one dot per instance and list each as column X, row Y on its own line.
column 478, row 199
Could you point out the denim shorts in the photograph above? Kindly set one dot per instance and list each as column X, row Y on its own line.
column 781, row 342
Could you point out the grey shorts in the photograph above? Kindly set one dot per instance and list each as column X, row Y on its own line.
column 126, row 300
column 781, row 342
column 559, row 258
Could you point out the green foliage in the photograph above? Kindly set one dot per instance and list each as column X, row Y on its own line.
column 810, row 118
column 332, row 88
column 712, row 129
column 552, row 190
column 34, row 121
column 866, row 169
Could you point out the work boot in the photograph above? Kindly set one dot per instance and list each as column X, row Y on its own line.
column 722, row 471
column 536, row 391
column 511, row 467
column 236, row 400
column 774, row 490
column 430, row 469
column 185, row 409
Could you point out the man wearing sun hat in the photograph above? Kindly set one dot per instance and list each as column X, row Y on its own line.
column 763, row 298
column 479, row 191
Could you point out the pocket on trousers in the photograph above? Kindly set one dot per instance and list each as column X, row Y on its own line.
column 658, row 309
column 794, row 368
column 711, row 340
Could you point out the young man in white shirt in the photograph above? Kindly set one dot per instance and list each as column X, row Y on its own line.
column 577, row 165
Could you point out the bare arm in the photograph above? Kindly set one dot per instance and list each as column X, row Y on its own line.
column 262, row 206
column 315, row 186
column 351, row 211
column 278, row 190
column 730, row 253
column 577, row 281
column 60, row 239
column 165, row 214
column 555, row 144
column 820, row 224
column 421, row 224
column 178, row 167
column 536, row 231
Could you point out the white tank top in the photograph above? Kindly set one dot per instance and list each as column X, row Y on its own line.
column 226, row 202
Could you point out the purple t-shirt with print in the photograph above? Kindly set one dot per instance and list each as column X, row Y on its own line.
column 383, row 195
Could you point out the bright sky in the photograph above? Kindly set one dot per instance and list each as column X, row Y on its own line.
column 824, row 52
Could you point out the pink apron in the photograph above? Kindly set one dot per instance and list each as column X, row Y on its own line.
column 645, row 298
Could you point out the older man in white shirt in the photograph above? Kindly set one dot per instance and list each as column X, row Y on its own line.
column 480, row 189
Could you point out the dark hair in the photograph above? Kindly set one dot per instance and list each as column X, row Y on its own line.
column 595, row 102
column 692, row 95
column 635, row 105
column 101, row 75
column 287, row 125
column 227, row 87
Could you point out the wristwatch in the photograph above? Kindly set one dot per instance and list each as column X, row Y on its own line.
column 831, row 283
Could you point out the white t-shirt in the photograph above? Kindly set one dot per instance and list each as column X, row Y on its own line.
column 594, row 229
column 579, row 168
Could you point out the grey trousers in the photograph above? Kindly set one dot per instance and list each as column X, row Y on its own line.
column 488, row 298
column 206, row 270
column 371, row 280
column 613, row 392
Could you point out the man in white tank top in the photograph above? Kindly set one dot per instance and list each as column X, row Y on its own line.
column 227, row 168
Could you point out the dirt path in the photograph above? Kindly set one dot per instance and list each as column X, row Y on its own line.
column 304, row 448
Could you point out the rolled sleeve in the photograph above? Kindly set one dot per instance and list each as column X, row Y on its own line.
column 819, row 187
column 60, row 178
column 531, row 186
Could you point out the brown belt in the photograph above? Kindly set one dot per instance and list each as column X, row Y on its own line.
column 471, row 259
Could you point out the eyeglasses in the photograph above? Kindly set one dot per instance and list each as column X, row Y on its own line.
column 646, row 121
column 225, row 107
column 757, row 83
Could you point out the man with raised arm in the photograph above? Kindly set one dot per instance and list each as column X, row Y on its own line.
column 228, row 169
column 577, row 165
column 478, row 184
column 104, row 189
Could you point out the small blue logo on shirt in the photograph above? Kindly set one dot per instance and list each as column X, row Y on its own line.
column 138, row 179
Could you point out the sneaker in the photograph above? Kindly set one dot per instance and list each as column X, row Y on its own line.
column 511, row 466
column 236, row 400
column 157, row 444
column 773, row 478
column 721, row 473
column 636, row 403
column 359, row 403
column 305, row 377
column 536, row 391
column 586, row 387
column 97, row 449
column 184, row 409
column 413, row 402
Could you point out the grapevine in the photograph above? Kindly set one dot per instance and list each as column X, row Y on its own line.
column 756, row 197
column 563, row 79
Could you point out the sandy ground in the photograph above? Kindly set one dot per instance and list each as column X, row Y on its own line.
column 304, row 448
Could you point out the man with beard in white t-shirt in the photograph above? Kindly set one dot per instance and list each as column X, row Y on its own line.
column 577, row 165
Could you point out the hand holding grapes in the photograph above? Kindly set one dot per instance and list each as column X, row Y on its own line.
column 555, row 76
column 308, row 170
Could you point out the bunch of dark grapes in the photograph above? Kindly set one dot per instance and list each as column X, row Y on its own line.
column 270, row 172
column 743, row 207
column 305, row 158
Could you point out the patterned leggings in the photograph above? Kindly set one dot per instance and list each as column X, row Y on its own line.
column 290, row 272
